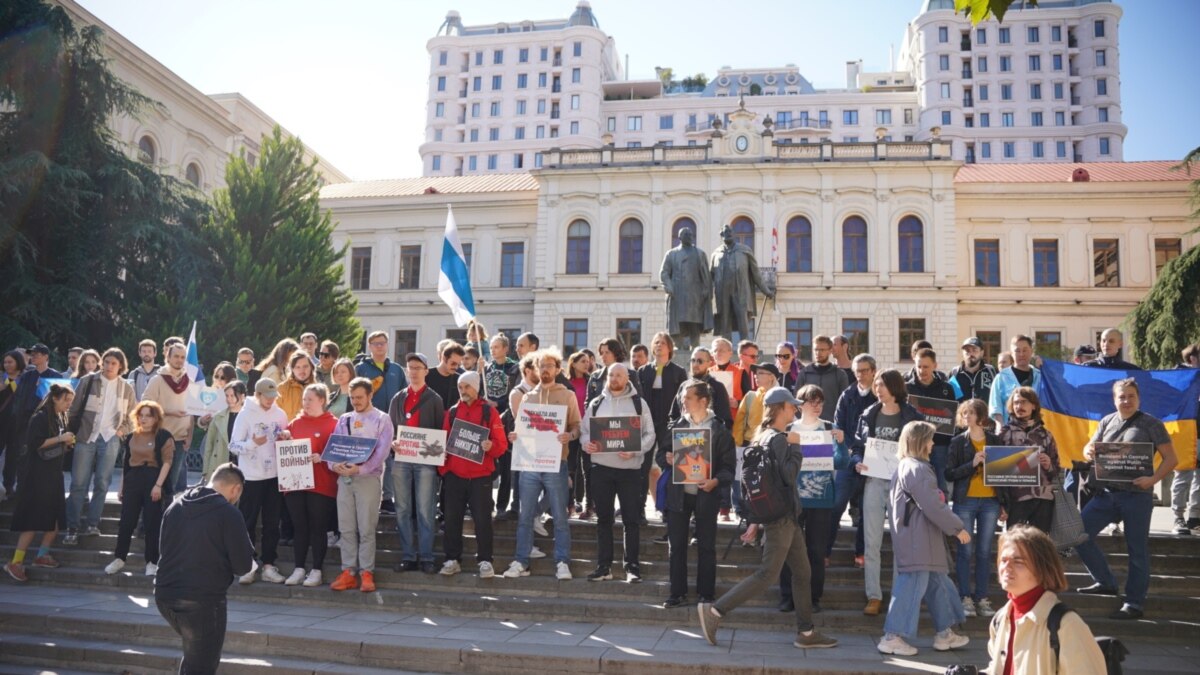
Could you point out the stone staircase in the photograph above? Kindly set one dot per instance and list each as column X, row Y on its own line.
column 78, row 617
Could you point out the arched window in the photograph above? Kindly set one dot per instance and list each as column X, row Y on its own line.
column 854, row 244
column 630, row 250
column 912, row 244
column 579, row 247
column 799, row 245
column 743, row 232
column 146, row 150
column 192, row 174
column 679, row 225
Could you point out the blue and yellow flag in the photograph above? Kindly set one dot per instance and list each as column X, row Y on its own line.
column 1075, row 398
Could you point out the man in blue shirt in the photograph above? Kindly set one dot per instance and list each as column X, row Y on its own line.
column 387, row 379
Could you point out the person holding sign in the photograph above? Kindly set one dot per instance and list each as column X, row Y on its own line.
column 701, row 500
column 882, row 420
column 976, row 504
column 1130, row 503
column 469, row 483
column 1030, row 505
column 920, row 520
column 783, row 541
column 548, row 392
column 617, row 475
column 312, row 509
column 360, row 487
column 416, row 406
column 935, row 399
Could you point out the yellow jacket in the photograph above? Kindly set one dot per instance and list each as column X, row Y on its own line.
column 749, row 416
column 1032, row 654
column 291, row 395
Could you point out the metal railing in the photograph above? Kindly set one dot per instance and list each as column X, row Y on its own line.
column 784, row 152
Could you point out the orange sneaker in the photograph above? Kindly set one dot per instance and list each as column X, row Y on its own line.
column 346, row 581
column 368, row 582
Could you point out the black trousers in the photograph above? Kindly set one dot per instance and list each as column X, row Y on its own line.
column 817, row 527
column 262, row 497
column 136, row 502
column 1036, row 512
column 579, row 468
column 626, row 485
column 201, row 624
column 678, row 535
column 310, row 514
column 508, row 484
column 459, row 493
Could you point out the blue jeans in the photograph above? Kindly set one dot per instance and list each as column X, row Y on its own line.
column 93, row 463
column 1134, row 510
column 939, row 457
column 178, row 475
column 910, row 588
column 978, row 516
column 408, row 478
column 555, row 485
column 847, row 483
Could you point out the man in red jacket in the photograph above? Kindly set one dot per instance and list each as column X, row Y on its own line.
column 465, row 482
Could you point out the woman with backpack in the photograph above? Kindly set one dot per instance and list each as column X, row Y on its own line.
column 1020, row 638
column 783, row 538
column 921, row 520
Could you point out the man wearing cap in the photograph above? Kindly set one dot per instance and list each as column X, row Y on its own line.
column 1084, row 354
column 416, row 406
column 749, row 414
column 702, row 363
column 255, row 431
column 25, row 402
column 974, row 374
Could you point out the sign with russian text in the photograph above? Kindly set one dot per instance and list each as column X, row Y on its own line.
column 343, row 449
column 617, row 434
column 293, row 464
column 937, row 411
column 202, row 400
column 1012, row 466
column 466, row 441
column 880, row 458
column 537, row 447
column 1123, row 462
column 691, row 455
column 815, row 480
column 420, row 446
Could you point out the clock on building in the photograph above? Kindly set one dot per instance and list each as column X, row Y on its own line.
column 741, row 143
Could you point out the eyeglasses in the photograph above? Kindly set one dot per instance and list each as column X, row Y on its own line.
column 324, row 355
column 699, row 360
column 783, row 357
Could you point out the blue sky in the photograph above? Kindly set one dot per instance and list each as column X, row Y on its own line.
column 350, row 78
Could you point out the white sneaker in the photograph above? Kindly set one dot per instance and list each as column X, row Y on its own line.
column 115, row 566
column 969, row 607
column 247, row 578
column 151, row 569
column 539, row 528
column 894, row 644
column 984, row 607
column 562, row 572
column 536, row 552
column 515, row 570
column 450, row 568
column 271, row 573
column 313, row 578
column 331, row 539
column 296, row 577
column 948, row 639
column 486, row 571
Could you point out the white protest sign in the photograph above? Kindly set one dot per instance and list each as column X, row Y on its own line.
column 881, row 459
column 420, row 446
column 537, row 447
column 293, row 461
column 202, row 400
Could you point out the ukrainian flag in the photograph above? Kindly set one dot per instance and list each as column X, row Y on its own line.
column 1075, row 398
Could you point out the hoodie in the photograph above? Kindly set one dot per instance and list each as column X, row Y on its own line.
column 204, row 545
column 257, row 462
column 557, row 394
column 618, row 405
column 832, row 381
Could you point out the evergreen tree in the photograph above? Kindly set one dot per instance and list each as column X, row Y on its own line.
column 90, row 239
column 274, row 271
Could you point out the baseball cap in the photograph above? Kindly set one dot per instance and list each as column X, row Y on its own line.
column 267, row 387
column 769, row 367
column 418, row 356
column 972, row 342
column 780, row 395
column 1085, row 350
column 39, row 348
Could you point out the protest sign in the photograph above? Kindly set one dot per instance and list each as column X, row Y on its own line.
column 617, row 434
column 691, row 451
column 466, row 441
column 202, row 400
column 342, row 449
column 725, row 377
column 293, row 464
column 815, row 480
column 420, row 446
column 537, row 447
column 1012, row 466
column 880, row 458
column 938, row 412
column 1123, row 462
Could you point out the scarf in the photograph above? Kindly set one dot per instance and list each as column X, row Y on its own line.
column 1021, row 605
column 177, row 384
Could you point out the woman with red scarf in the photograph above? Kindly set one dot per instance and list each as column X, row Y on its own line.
column 311, row 510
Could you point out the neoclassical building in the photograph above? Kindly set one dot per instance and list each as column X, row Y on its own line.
column 885, row 242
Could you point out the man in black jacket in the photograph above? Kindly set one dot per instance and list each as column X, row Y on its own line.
column 1111, row 342
column 826, row 374
column 204, row 547
column 416, row 485
column 660, row 380
column 925, row 384
column 702, row 362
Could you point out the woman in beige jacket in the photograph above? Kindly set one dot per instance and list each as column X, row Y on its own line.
column 1031, row 572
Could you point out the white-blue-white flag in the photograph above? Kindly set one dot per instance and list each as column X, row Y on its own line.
column 193, row 359
column 454, row 281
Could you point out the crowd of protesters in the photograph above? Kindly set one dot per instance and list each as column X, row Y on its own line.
column 135, row 416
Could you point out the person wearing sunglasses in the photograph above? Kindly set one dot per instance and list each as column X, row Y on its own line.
column 327, row 355
column 787, row 357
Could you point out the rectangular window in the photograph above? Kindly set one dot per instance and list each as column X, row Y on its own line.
column 477, row 83
column 442, row 57
column 1101, row 58
column 1006, row 92
column 850, row 117
column 1045, row 263
column 495, row 108
column 441, row 83
column 539, row 131
column 1098, row 28
column 1035, row 118
column 1165, row 250
column 629, row 332
column 1060, row 118
column 1033, row 35
column 439, row 110
column 576, row 74
column 360, row 268
column 1039, row 149
column 985, row 119
column 991, row 342
column 519, row 134
column 479, row 58
column 1056, row 33
column 883, row 116
column 1101, row 86
column 1048, row 344
column 945, row 117
column 1035, row 63
column 578, row 48
column 666, row 121
column 541, row 106
column 521, row 107
column 943, row 34
column 522, row 80
column 982, row 64
column 512, row 264
column 574, row 128
column 518, row 161
column 537, row 160
column 497, row 82
column 1006, row 119
column 405, row 342
column 498, row 57
column 985, row 150
column 1058, row 91
column 633, row 123
column 410, row 267
column 575, row 336
column 987, row 262
column 800, row 333
column 437, row 163
column 945, row 90
column 1005, row 64
column 1106, row 264
column 1010, row 150
column 1035, row 91
column 494, row 134
column 1057, row 62
column 1102, row 112
column 633, row 144
column 473, row 163
column 910, row 331
column 983, row 92
column 1104, row 147
column 544, row 55
column 1005, row 37
column 944, row 62
column 541, row 80
column 612, row 124
column 523, row 55
column 493, row 162
column 574, row 101
column 1060, row 149
column 908, row 116
column 474, row 135
column 858, row 335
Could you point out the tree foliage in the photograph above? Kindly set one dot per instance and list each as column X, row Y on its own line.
column 980, row 10
column 89, row 237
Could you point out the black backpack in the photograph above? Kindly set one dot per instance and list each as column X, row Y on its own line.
column 1114, row 650
column 767, row 496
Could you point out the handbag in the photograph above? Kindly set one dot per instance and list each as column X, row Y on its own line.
column 1066, row 527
